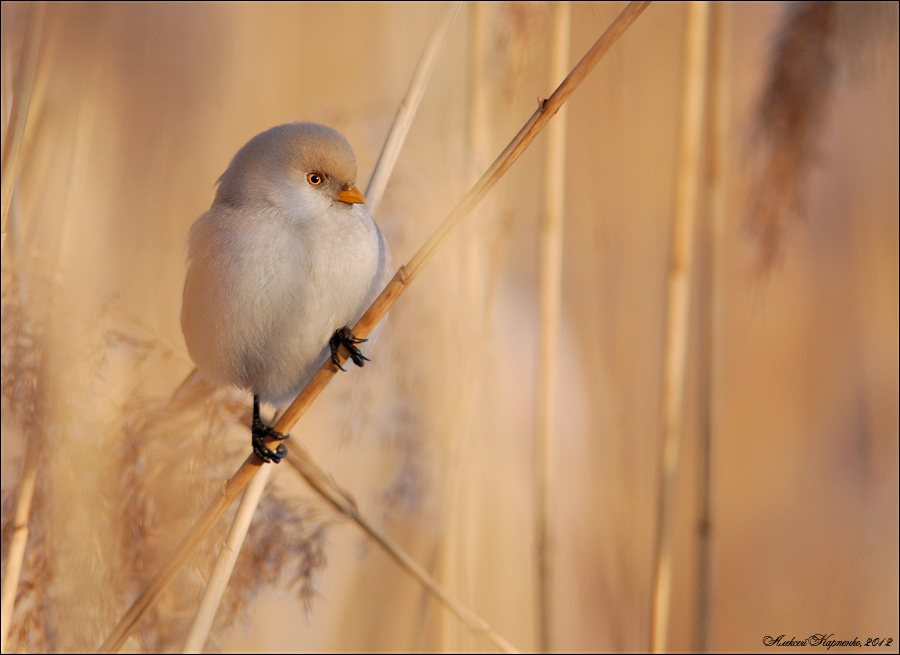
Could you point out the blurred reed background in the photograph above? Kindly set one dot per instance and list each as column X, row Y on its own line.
column 792, row 370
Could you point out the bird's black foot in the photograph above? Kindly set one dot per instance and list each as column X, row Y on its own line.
column 260, row 432
column 345, row 337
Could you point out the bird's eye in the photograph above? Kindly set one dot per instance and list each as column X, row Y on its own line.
column 314, row 178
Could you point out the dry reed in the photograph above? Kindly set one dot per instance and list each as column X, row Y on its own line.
column 406, row 112
column 713, row 328
column 379, row 308
column 550, row 307
column 228, row 554
column 23, row 395
column 21, row 101
column 345, row 504
column 679, row 304
column 21, row 91
column 505, row 43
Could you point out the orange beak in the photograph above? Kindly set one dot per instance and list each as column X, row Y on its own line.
column 352, row 196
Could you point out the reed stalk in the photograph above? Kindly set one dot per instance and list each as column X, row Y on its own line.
column 21, row 91
column 373, row 315
column 406, row 112
column 550, row 306
column 19, row 539
column 344, row 503
column 679, row 302
column 228, row 555
column 449, row 562
column 721, row 109
column 21, row 102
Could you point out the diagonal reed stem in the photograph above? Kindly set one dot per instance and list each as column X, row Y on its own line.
column 375, row 313
column 679, row 303
column 319, row 480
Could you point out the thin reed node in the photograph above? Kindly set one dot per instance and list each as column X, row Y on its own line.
column 550, row 306
column 405, row 275
column 679, row 301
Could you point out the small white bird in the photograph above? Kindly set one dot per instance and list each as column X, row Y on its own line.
column 283, row 262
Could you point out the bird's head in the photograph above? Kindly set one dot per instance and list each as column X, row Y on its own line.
column 303, row 168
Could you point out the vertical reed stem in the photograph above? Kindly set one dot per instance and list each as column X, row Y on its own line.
column 19, row 539
column 21, row 101
column 9, row 162
column 452, row 562
column 679, row 302
column 720, row 106
column 550, row 292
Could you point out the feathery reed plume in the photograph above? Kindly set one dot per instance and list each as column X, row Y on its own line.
column 550, row 307
column 159, row 445
column 23, row 401
column 863, row 28
column 679, row 303
column 175, row 451
column 29, row 621
column 813, row 42
column 287, row 543
column 789, row 120
column 373, row 315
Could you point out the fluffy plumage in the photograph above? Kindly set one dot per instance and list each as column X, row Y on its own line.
column 278, row 263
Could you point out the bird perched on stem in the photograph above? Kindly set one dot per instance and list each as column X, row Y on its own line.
column 285, row 260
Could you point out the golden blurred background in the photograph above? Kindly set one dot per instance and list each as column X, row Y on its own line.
column 792, row 373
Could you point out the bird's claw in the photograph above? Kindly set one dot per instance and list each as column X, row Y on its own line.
column 260, row 432
column 265, row 453
column 345, row 337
